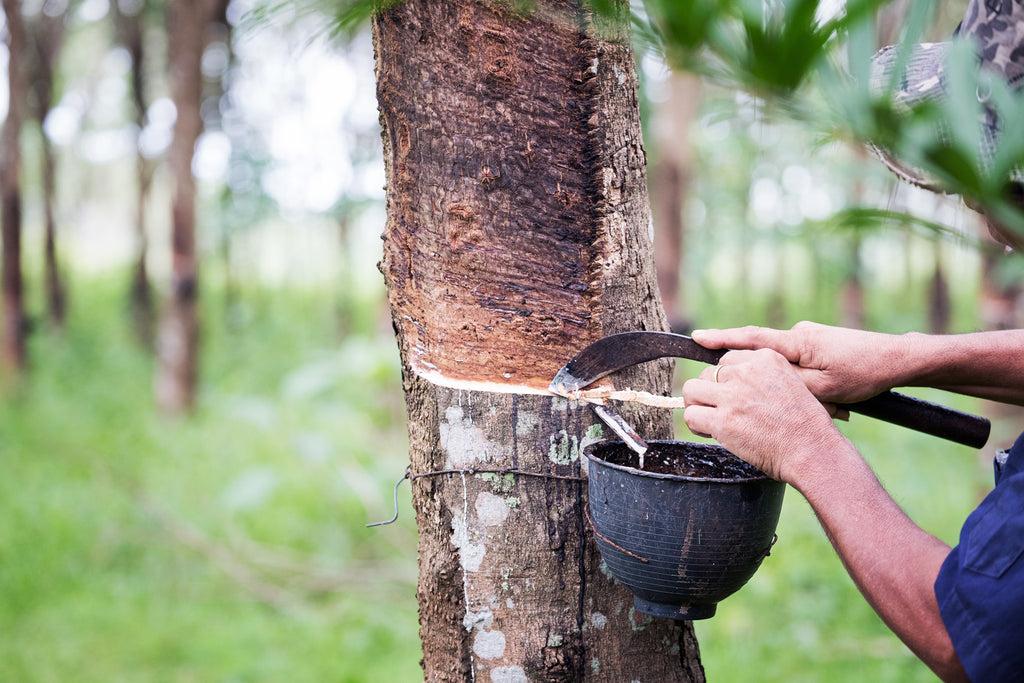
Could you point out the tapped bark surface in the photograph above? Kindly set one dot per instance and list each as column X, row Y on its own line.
column 518, row 232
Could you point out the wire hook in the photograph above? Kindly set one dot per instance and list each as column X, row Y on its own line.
column 470, row 471
column 397, row 484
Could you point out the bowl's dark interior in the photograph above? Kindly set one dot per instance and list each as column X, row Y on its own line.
column 680, row 458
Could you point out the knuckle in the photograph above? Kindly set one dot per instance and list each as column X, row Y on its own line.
column 754, row 331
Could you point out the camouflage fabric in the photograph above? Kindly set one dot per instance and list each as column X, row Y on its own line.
column 923, row 78
column 997, row 28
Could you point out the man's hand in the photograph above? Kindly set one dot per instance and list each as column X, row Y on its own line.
column 836, row 364
column 756, row 405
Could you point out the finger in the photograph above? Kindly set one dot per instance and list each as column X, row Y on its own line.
column 832, row 409
column 750, row 338
column 710, row 373
column 717, row 373
column 699, row 419
column 700, row 391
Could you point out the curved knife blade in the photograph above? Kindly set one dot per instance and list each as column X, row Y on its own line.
column 615, row 352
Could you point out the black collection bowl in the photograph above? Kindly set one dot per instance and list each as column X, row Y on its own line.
column 688, row 530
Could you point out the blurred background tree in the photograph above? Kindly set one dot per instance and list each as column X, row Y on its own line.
column 46, row 35
column 230, row 544
column 132, row 23
column 12, row 349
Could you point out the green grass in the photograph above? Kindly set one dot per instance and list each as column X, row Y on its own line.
column 225, row 547
column 230, row 546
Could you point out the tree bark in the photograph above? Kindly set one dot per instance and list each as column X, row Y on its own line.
column 517, row 232
column 12, row 344
column 178, row 335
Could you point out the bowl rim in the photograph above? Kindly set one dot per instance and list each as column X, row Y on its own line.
column 589, row 448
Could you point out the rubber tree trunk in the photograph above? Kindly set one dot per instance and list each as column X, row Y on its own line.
column 220, row 33
column 12, row 343
column 671, row 178
column 56, row 294
column 47, row 37
column 130, row 28
column 517, row 232
column 940, row 305
column 852, row 309
column 852, row 312
column 178, row 334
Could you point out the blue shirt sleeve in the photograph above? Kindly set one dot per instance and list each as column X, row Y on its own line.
column 980, row 587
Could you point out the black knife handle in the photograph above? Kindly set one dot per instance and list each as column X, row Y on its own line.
column 924, row 416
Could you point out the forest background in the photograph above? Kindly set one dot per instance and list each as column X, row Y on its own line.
column 222, row 537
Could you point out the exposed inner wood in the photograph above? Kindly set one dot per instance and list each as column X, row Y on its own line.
column 608, row 393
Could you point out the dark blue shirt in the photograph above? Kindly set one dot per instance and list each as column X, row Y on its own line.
column 980, row 587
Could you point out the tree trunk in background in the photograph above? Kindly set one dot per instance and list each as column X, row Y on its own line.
column 130, row 34
column 56, row 296
column 47, row 36
column 940, row 307
column 345, row 304
column 178, row 334
column 12, row 345
column 217, row 102
column 775, row 305
column 1002, row 299
column 517, row 232
column 851, row 291
column 671, row 176
column 1001, row 308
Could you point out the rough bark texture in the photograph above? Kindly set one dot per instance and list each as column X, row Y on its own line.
column 518, row 231
column 12, row 345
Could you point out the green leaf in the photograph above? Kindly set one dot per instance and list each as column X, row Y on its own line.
column 865, row 218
